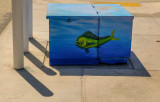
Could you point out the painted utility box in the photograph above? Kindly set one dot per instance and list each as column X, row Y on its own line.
column 85, row 34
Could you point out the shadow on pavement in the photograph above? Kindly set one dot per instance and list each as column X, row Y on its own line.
column 39, row 64
column 39, row 46
column 36, row 84
column 133, row 68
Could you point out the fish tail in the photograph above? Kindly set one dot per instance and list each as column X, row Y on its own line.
column 112, row 37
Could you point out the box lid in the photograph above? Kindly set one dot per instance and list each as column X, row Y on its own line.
column 70, row 11
column 111, row 10
column 85, row 11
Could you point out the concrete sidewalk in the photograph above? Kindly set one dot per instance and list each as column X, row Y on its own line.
column 138, row 81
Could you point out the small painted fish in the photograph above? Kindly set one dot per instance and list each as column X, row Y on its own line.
column 89, row 40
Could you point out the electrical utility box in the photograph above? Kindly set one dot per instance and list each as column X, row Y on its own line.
column 89, row 34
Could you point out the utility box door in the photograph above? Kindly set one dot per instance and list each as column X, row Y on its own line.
column 86, row 34
column 115, row 26
column 71, row 29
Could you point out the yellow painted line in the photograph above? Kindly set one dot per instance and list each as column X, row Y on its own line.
column 121, row 3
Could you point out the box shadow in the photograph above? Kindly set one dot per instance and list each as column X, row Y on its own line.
column 133, row 68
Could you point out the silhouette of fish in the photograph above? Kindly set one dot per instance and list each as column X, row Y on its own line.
column 90, row 40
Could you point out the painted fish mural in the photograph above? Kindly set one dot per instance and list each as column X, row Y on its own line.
column 89, row 40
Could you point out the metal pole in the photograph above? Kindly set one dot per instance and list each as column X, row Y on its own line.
column 17, row 21
column 25, row 25
column 30, row 14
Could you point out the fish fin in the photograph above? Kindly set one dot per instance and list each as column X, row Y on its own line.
column 113, row 33
column 89, row 34
column 112, row 37
column 86, row 50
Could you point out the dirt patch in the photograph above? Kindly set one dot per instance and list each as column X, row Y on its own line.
column 5, row 19
column 5, row 13
column 69, row 1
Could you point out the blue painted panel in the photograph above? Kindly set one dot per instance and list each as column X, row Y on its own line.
column 70, row 11
column 114, row 18
column 67, row 45
column 81, row 34
column 113, row 60
column 118, row 45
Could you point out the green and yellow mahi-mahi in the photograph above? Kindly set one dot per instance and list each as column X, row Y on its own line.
column 89, row 40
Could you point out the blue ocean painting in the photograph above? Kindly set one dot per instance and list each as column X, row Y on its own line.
column 62, row 41
column 86, row 34
column 123, row 32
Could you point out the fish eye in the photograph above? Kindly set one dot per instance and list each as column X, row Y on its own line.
column 81, row 42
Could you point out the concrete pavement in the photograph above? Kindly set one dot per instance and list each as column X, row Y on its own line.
column 138, row 81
